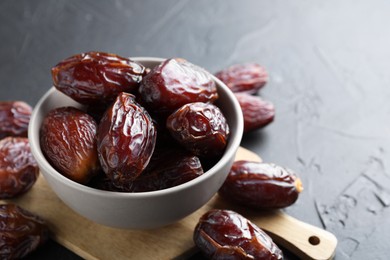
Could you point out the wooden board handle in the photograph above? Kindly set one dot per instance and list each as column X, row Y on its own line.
column 304, row 240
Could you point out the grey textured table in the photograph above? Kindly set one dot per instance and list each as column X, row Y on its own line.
column 329, row 65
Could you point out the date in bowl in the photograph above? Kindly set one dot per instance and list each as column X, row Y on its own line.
column 141, row 210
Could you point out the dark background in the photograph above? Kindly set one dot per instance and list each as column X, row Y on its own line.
column 329, row 67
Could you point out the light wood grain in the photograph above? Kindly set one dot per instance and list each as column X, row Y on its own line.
column 93, row 241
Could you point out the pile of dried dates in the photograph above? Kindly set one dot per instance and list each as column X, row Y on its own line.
column 136, row 118
column 144, row 129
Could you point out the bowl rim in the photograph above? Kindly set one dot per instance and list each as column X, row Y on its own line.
column 33, row 136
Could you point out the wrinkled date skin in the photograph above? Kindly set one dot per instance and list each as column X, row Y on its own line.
column 261, row 185
column 163, row 171
column 249, row 77
column 126, row 140
column 21, row 232
column 97, row 77
column 168, row 170
column 257, row 112
column 68, row 141
column 176, row 82
column 200, row 127
column 14, row 118
column 224, row 234
column 18, row 168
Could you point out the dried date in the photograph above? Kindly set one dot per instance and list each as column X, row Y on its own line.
column 249, row 77
column 97, row 77
column 224, row 234
column 21, row 232
column 176, row 82
column 261, row 185
column 166, row 169
column 68, row 140
column 200, row 127
column 14, row 118
column 126, row 140
column 18, row 168
column 256, row 111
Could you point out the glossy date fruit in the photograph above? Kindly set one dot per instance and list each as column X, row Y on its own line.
column 68, row 141
column 18, row 168
column 261, row 185
column 225, row 234
column 97, row 77
column 176, row 82
column 249, row 77
column 257, row 112
column 199, row 127
column 14, row 118
column 126, row 140
column 21, row 232
column 167, row 169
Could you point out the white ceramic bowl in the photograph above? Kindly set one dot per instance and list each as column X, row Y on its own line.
column 142, row 210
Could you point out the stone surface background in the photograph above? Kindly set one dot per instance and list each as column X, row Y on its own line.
column 329, row 71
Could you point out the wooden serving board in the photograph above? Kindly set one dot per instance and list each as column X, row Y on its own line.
column 94, row 241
